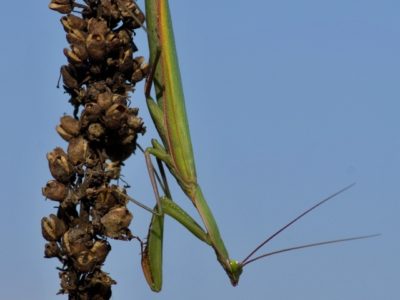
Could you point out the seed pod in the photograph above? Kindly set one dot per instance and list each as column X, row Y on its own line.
column 109, row 9
column 116, row 223
column 113, row 169
column 78, row 150
column 114, row 116
column 85, row 262
column 53, row 228
column 104, row 100
column 51, row 249
column 69, row 78
column 105, row 200
column 77, row 240
column 129, row 8
column 140, row 72
column 100, row 250
column 61, row 6
column 69, row 281
column 96, row 47
column 125, row 62
column 98, row 286
column 60, row 168
column 72, row 57
column 71, row 22
column 68, row 128
column 91, row 114
column 97, row 27
column 95, row 132
column 76, row 37
column 135, row 123
column 124, row 38
column 55, row 190
column 80, row 51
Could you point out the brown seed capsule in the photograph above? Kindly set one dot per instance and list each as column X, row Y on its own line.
column 113, row 42
column 116, row 223
column 104, row 100
column 129, row 9
column 113, row 169
column 72, row 57
column 98, row 286
column 69, row 281
column 140, row 73
column 98, row 27
column 106, row 200
column 77, row 240
column 68, row 128
column 62, row 6
column 96, row 47
column 60, row 168
column 90, row 114
column 100, row 250
column 80, row 51
column 109, row 9
column 73, row 22
column 124, row 37
column 69, row 78
column 55, row 190
column 85, row 262
column 114, row 116
column 51, row 249
column 125, row 62
column 78, row 150
column 53, row 228
column 95, row 132
column 76, row 37
column 135, row 123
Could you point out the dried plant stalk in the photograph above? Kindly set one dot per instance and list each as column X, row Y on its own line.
column 101, row 134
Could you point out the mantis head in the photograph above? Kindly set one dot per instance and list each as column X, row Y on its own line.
column 235, row 271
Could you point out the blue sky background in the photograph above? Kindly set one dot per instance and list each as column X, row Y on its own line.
column 288, row 102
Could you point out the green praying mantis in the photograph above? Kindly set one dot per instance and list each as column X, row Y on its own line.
column 168, row 113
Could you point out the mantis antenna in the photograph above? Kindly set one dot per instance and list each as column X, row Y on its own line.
column 249, row 259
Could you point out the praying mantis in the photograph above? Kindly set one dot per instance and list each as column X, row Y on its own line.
column 175, row 151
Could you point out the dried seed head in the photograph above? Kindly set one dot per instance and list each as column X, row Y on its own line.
column 140, row 72
column 114, row 116
column 72, row 57
column 76, row 37
column 80, row 51
column 96, row 47
column 106, row 199
column 68, row 128
column 77, row 240
column 105, row 100
column 85, row 262
column 109, row 9
column 51, row 249
column 60, row 168
column 55, row 190
column 116, row 223
column 53, row 228
column 98, row 286
column 98, row 27
column 69, row 281
column 113, row 169
column 100, row 250
column 61, row 6
column 95, row 132
column 71, row 22
column 90, row 114
column 78, row 149
column 135, row 123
